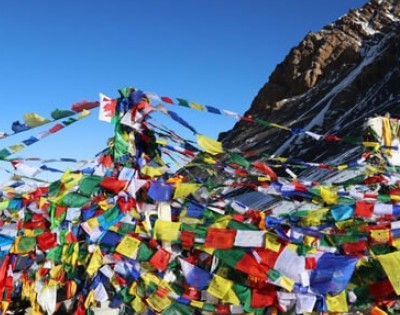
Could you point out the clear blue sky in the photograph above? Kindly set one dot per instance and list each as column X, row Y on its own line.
column 219, row 53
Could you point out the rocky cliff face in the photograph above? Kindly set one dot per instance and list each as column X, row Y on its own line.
column 329, row 84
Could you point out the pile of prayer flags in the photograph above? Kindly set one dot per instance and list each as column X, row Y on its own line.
column 132, row 235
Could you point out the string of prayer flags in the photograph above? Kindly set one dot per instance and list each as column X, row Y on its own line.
column 294, row 131
column 6, row 152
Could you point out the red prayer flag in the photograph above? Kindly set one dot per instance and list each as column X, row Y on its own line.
column 249, row 265
column 220, row 238
column 81, row 106
column 46, row 241
column 187, row 239
column 268, row 257
column 160, row 259
column 364, row 209
column 356, row 248
column 265, row 169
column 56, row 128
column 311, row 263
column 113, row 184
column 166, row 99
column 263, row 297
column 381, row 289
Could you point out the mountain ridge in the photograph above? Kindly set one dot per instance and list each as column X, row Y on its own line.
column 329, row 84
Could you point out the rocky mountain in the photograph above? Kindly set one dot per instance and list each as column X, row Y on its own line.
column 328, row 84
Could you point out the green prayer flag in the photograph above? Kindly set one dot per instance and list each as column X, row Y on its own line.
column 54, row 188
column 208, row 307
column 26, row 244
column 240, row 160
column 4, row 153
column 54, row 254
column 121, row 147
column 124, row 92
column 236, row 225
column 178, row 309
column 54, row 218
column 182, row 102
column 273, row 274
column 69, row 121
column 74, row 200
column 263, row 122
column 110, row 215
column 384, row 198
column 230, row 256
column 89, row 185
column 244, row 295
column 58, row 114
column 145, row 252
column 353, row 140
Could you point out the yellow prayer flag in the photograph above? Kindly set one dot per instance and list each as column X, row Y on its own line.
column 185, row 189
column 96, row 261
column 280, row 126
column 70, row 180
column 196, row 304
column 90, row 299
column 396, row 243
column 84, row 114
column 387, row 134
column 286, row 283
column 373, row 145
column 141, row 229
column 93, row 223
column 219, row 286
column 197, row 106
column 344, row 224
column 152, row 171
column 158, row 303
column 231, row 298
column 167, row 231
column 138, row 305
column 328, row 195
column 149, row 277
column 73, row 288
column 380, row 236
column 209, row 160
column 342, row 167
column 314, row 217
column 389, row 263
column 337, row 303
column 222, row 223
column 4, row 306
column 210, row 145
column 105, row 205
column 56, row 272
column 4, row 204
column 128, row 246
column 133, row 289
column 16, row 147
column 162, row 142
column 309, row 240
column 271, row 242
column 34, row 120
